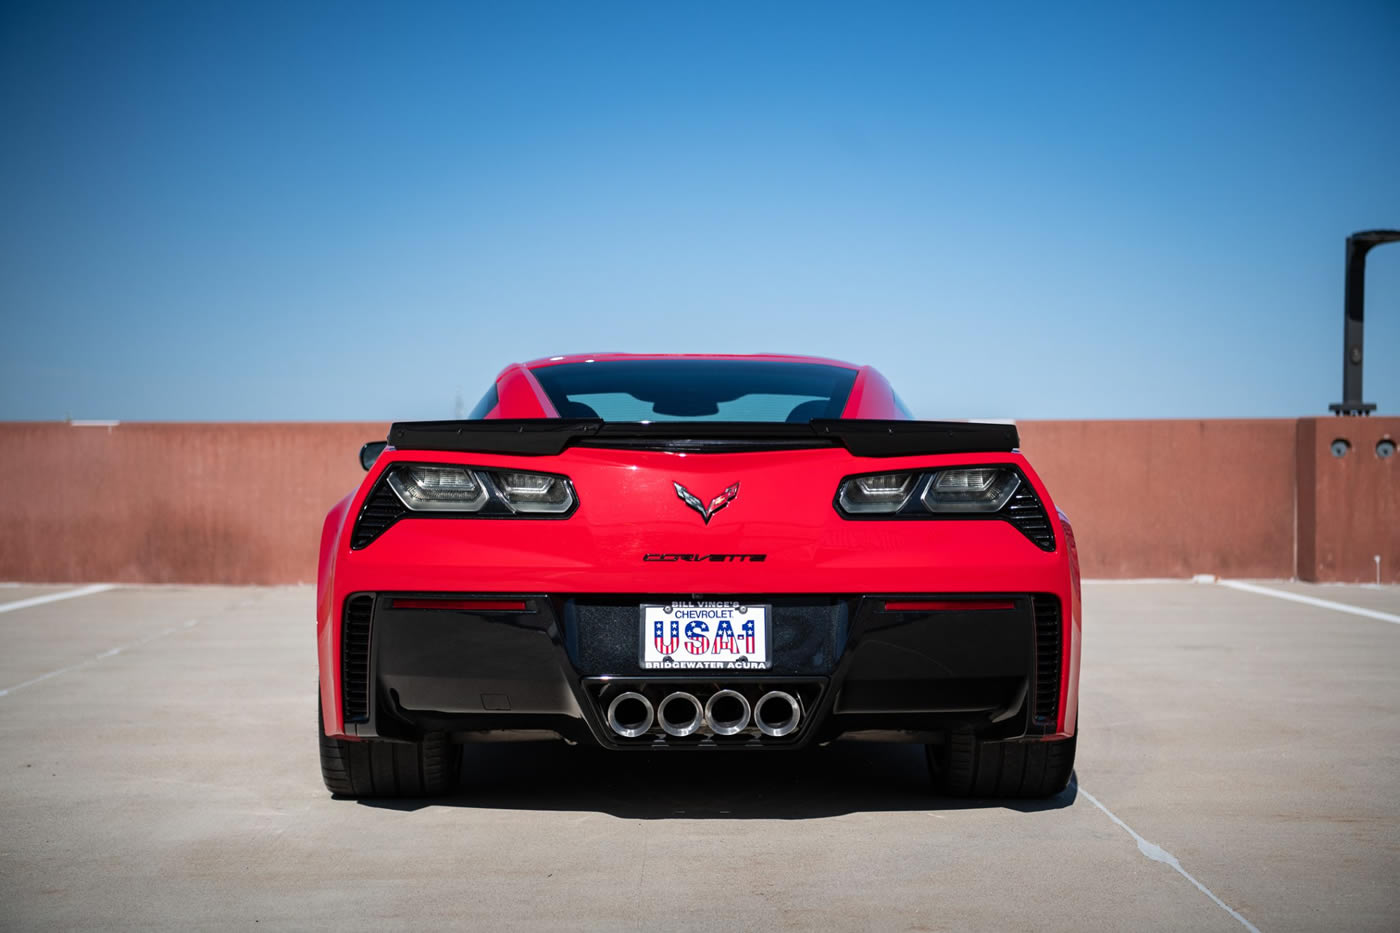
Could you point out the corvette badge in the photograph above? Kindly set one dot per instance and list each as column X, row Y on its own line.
column 717, row 503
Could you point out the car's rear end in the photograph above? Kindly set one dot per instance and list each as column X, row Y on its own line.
column 700, row 585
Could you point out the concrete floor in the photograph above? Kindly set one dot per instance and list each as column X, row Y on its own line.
column 160, row 771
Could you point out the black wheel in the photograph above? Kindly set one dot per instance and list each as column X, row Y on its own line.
column 965, row 767
column 373, row 768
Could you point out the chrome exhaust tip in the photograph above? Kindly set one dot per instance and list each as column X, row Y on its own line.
column 630, row 714
column 727, row 712
column 777, row 713
column 680, row 714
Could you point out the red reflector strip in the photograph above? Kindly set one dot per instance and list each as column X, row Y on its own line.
column 948, row 605
column 462, row 605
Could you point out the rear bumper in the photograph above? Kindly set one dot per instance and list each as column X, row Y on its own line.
column 527, row 664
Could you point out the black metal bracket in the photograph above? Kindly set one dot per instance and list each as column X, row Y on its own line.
column 1354, row 319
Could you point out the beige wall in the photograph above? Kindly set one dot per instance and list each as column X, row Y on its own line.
column 243, row 503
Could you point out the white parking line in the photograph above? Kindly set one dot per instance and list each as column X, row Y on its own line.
column 1159, row 854
column 1312, row 601
column 55, row 597
column 110, row 652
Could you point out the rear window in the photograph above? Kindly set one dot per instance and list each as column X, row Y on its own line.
column 697, row 390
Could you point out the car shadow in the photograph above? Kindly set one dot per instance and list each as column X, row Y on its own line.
column 845, row 777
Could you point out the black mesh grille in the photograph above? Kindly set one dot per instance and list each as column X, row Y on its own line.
column 381, row 509
column 1028, row 515
column 354, row 658
column 1047, row 659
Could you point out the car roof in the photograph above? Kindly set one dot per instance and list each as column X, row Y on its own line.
column 745, row 357
column 519, row 394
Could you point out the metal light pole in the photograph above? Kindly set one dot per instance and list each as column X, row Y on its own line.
column 1354, row 313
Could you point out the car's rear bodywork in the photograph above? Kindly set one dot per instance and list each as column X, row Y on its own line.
column 899, row 625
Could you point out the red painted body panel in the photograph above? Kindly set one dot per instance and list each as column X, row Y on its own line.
column 628, row 508
column 872, row 397
column 610, row 357
column 1069, row 684
column 326, row 636
column 520, row 396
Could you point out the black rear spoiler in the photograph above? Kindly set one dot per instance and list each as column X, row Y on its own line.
column 547, row 436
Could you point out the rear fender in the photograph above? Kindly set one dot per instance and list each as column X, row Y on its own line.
column 1074, row 634
column 327, row 625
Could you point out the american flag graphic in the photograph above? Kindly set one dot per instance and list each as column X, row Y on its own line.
column 724, row 638
column 665, row 644
column 697, row 637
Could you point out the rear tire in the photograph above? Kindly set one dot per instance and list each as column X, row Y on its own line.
column 376, row 768
column 965, row 767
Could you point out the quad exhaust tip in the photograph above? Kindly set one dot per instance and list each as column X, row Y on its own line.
column 680, row 714
column 777, row 713
column 727, row 712
column 630, row 714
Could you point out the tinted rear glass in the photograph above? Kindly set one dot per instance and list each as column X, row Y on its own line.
column 697, row 390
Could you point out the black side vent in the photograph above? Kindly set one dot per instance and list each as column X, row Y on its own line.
column 1026, row 512
column 381, row 509
column 354, row 658
column 1047, row 661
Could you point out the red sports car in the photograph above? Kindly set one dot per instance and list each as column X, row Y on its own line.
column 697, row 553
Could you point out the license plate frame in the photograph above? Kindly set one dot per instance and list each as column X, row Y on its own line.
column 693, row 631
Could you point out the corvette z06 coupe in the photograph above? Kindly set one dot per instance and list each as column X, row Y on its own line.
column 697, row 554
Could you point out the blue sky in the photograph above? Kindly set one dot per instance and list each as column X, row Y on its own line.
column 244, row 211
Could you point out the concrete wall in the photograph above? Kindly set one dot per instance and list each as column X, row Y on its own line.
column 171, row 503
column 1348, row 506
column 243, row 503
column 1172, row 498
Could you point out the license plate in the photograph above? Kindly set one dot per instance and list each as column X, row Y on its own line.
column 705, row 635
